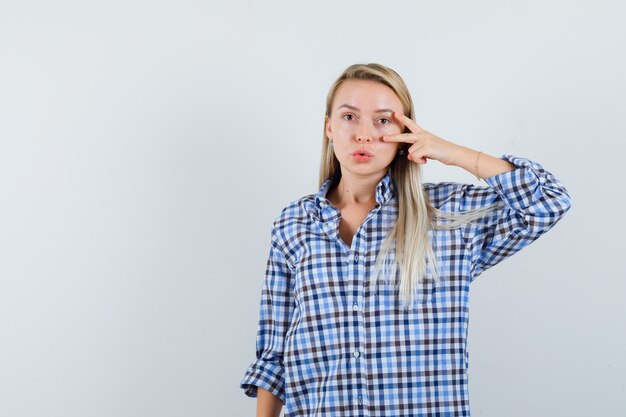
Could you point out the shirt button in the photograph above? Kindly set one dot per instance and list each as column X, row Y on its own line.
column 356, row 353
column 356, row 258
column 360, row 399
column 355, row 307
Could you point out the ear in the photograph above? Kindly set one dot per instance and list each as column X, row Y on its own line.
column 327, row 126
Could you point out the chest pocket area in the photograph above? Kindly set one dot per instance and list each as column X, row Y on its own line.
column 317, row 289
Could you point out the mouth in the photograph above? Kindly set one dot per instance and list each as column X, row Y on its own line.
column 361, row 155
column 362, row 152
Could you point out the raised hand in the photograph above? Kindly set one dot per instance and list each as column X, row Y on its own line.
column 424, row 145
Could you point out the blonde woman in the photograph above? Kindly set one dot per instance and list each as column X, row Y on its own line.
column 364, row 305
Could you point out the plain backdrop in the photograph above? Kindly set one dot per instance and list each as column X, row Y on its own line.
column 147, row 146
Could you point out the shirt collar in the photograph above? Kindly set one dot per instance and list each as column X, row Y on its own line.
column 384, row 191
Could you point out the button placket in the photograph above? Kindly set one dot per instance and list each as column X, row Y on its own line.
column 356, row 271
column 358, row 308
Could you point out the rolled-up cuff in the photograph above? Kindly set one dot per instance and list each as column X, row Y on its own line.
column 522, row 186
column 266, row 375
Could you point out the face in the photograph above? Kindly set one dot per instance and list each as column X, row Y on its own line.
column 361, row 115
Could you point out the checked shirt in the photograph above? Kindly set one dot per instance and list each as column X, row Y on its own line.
column 329, row 344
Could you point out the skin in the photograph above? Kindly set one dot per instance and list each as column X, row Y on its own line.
column 425, row 145
column 361, row 126
column 268, row 404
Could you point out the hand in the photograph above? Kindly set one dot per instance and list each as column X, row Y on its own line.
column 424, row 144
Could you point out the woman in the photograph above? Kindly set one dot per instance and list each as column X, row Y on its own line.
column 364, row 306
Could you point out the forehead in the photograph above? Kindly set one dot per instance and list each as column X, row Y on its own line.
column 367, row 95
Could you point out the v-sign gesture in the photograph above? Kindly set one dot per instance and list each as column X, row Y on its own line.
column 424, row 145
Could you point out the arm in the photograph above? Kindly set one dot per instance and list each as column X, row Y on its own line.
column 276, row 309
column 267, row 404
column 487, row 165
column 423, row 145
column 534, row 201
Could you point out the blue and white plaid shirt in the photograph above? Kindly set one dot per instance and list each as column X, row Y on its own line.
column 330, row 345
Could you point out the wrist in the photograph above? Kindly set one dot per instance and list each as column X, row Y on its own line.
column 463, row 157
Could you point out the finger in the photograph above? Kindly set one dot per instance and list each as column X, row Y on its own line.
column 419, row 160
column 407, row 121
column 415, row 147
column 400, row 137
column 416, row 154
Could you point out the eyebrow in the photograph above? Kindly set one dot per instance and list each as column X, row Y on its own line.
column 357, row 109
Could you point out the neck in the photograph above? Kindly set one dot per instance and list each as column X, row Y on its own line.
column 355, row 190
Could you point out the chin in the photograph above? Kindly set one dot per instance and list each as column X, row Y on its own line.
column 364, row 169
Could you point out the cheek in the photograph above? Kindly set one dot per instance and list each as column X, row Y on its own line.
column 342, row 129
column 389, row 148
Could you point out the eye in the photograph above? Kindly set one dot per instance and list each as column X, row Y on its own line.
column 385, row 121
column 348, row 116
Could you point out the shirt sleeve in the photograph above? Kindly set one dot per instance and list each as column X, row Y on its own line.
column 534, row 201
column 267, row 370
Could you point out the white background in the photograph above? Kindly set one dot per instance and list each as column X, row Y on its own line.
column 147, row 146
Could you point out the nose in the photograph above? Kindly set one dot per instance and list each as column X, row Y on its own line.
column 363, row 135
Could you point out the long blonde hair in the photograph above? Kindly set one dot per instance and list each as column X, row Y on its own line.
column 414, row 251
